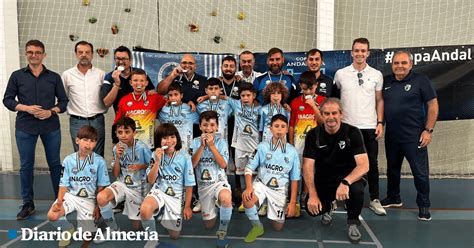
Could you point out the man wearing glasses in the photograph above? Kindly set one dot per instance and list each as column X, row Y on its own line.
column 185, row 74
column 38, row 95
column 360, row 87
column 116, row 83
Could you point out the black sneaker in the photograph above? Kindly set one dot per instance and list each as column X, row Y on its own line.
column 26, row 211
column 391, row 202
column 424, row 214
column 119, row 207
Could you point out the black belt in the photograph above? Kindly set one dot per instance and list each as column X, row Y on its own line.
column 86, row 118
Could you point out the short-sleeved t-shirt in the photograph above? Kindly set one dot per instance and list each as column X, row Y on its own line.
column 139, row 153
column 266, row 114
column 276, row 167
column 246, row 134
column 287, row 80
column 334, row 154
column 208, row 172
column 192, row 87
column 405, row 106
column 175, row 173
column 182, row 118
column 223, row 109
column 83, row 177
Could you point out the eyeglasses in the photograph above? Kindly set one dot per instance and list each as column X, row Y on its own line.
column 30, row 53
column 187, row 63
column 121, row 59
column 359, row 76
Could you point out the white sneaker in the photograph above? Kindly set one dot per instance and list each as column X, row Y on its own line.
column 66, row 242
column 151, row 244
column 263, row 210
column 197, row 207
column 377, row 208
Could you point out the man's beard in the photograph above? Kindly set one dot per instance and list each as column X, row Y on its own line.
column 275, row 69
column 228, row 76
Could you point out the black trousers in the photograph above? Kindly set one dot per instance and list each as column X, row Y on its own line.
column 327, row 194
column 372, row 147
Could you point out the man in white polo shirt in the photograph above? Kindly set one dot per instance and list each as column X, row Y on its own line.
column 361, row 96
column 82, row 84
column 247, row 63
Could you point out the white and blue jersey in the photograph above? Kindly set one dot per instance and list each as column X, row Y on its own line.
column 83, row 177
column 174, row 174
column 208, row 172
column 183, row 119
column 223, row 110
column 276, row 167
column 138, row 154
column 246, row 134
column 266, row 114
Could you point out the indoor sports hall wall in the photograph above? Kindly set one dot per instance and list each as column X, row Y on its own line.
column 257, row 25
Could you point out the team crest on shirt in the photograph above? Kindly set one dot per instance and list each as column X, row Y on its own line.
column 82, row 193
column 267, row 82
column 205, row 175
column 301, row 108
column 196, row 84
column 93, row 172
column 273, row 183
column 342, row 144
column 74, row 170
column 322, row 85
column 170, row 191
column 128, row 180
column 407, row 87
column 129, row 103
column 287, row 160
column 177, row 169
column 248, row 129
column 146, row 103
column 269, row 156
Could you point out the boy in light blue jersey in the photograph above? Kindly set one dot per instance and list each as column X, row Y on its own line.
column 172, row 176
column 210, row 157
column 246, row 134
column 85, row 174
column 214, row 103
column 179, row 114
column 130, row 161
column 275, row 95
column 278, row 170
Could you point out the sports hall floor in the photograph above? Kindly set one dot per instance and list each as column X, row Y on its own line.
column 452, row 223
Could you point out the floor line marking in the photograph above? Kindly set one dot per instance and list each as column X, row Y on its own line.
column 371, row 233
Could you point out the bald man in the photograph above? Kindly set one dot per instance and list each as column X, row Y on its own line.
column 185, row 74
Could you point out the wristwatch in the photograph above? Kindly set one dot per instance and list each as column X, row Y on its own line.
column 345, row 182
column 429, row 130
column 381, row 122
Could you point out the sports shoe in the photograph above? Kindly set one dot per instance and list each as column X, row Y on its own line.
column 326, row 219
column 354, row 234
column 263, row 210
column 151, row 244
column 119, row 208
column 66, row 242
column 297, row 210
column 424, row 214
column 222, row 241
column 241, row 208
column 197, row 207
column 26, row 211
column 377, row 208
column 254, row 233
column 391, row 202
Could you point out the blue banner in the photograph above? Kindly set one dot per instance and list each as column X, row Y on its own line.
column 451, row 69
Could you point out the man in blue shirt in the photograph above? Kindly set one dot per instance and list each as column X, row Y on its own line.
column 411, row 110
column 275, row 74
column 38, row 95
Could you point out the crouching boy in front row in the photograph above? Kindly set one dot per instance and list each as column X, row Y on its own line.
column 278, row 168
column 85, row 174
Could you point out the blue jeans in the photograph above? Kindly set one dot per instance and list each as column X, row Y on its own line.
column 98, row 123
column 418, row 160
column 26, row 144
